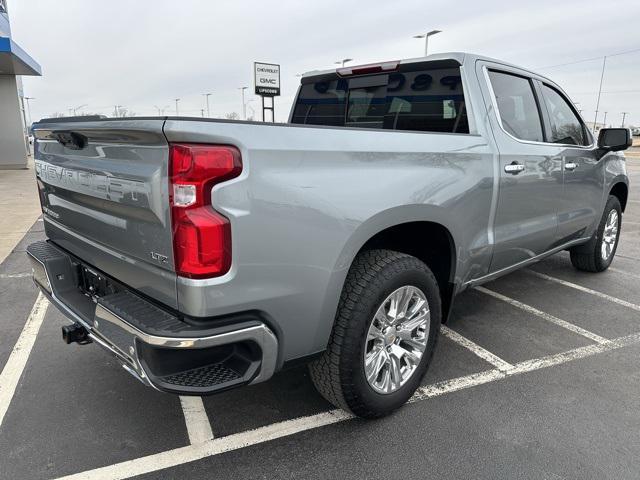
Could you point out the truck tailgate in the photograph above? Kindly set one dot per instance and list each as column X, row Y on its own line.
column 104, row 193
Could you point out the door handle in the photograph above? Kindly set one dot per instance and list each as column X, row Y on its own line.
column 514, row 168
column 570, row 166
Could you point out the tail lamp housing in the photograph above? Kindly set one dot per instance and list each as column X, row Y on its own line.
column 201, row 235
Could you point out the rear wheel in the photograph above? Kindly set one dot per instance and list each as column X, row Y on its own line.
column 598, row 253
column 383, row 338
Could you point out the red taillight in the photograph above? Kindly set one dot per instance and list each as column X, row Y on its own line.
column 201, row 236
column 370, row 68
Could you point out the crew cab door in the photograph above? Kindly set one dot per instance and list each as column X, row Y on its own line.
column 530, row 175
column 579, row 207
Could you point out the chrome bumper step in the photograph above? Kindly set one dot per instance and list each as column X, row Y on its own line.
column 152, row 343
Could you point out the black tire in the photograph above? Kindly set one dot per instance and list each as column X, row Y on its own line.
column 588, row 257
column 339, row 373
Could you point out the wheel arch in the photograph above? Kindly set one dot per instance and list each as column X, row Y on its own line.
column 431, row 241
column 620, row 190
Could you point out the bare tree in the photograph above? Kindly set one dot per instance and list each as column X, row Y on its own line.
column 124, row 112
column 57, row 115
column 569, row 133
column 232, row 116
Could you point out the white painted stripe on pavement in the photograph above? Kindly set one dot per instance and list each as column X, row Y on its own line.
column 619, row 301
column 195, row 416
column 576, row 353
column 18, row 357
column 484, row 354
column 617, row 270
column 179, row 456
column 627, row 257
column 549, row 318
column 455, row 384
column 15, row 275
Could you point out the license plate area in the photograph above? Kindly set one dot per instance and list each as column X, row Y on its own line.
column 94, row 284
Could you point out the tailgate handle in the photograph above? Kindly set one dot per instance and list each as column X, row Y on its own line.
column 69, row 139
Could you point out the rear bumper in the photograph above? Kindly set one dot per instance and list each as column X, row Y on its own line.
column 151, row 343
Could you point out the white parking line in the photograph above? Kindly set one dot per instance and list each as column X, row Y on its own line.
column 195, row 416
column 18, row 357
column 179, row 456
column 619, row 301
column 487, row 376
column 550, row 318
column 15, row 275
column 627, row 257
column 617, row 270
column 576, row 353
column 455, row 384
column 484, row 354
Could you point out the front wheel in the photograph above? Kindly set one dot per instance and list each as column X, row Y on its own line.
column 383, row 337
column 598, row 253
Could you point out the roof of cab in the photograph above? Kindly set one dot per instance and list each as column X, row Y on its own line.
column 461, row 57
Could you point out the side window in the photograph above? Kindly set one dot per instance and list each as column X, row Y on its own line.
column 517, row 106
column 566, row 127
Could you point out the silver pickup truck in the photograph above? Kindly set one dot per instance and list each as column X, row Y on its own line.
column 208, row 254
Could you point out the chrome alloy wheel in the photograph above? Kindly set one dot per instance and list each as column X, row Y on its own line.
column 610, row 235
column 397, row 339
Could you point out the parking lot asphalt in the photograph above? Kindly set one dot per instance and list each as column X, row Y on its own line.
column 536, row 375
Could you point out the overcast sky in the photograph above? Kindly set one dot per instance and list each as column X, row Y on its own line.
column 144, row 53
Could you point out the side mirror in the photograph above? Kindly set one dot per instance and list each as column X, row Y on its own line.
column 614, row 139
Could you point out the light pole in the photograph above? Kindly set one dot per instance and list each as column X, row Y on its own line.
column 577, row 105
column 624, row 115
column 604, row 63
column 250, row 107
column 75, row 110
column 426, row 39
column 343, row 61
column 244, row 105
column 177, row 100
column 161, row 110
column 206, row 96
column 29, row 107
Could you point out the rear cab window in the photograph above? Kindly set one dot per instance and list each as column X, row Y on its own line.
column 517, row 106
column 424, row 97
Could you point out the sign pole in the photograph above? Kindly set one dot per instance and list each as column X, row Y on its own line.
column 267, row 84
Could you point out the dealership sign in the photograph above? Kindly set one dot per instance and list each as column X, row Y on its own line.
column 267, row 79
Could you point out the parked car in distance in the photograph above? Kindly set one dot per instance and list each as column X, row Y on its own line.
column 208, row 254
